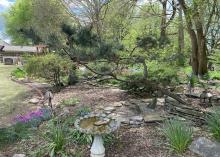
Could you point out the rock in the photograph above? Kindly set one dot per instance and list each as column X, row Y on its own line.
column 123, row 120
column 152, row 117
column 134, row 123
column 66, row 110
column 102, row 122
column 112, row 116
column 34, row 101
column 18, row 155
column 205, row 147
column 179, row 89
column 109, row 109
column 143, row 107
column 108, row 112
column 117, row 104
column 137, row 118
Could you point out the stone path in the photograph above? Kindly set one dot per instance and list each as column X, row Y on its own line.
column 132, row 112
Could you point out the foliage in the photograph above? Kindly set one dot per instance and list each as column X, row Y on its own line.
column 25, row 22
column 56, row 139
column 83, row 111
column 213, row 121
column 70, row 102
column 17, row 19
column 134, row 87
column 50, row 66
column 18, row 73
column 80, row 138
column 14, row 133
column 34, row 118
column 178, row 133
column 23, row 126
column 162, row 72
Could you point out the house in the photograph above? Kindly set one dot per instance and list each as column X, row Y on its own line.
column 13, row 54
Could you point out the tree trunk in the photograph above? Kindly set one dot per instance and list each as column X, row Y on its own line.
column 198, row 41
column 163, row 23
column 181, row 39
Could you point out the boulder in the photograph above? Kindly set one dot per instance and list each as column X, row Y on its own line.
column 205, row 147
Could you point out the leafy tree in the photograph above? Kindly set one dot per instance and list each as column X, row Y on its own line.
column 18, row 20
column 36, row 21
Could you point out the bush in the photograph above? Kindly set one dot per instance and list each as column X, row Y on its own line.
column 134, row 87
column 18, row 73
column 50, row 67
column 213, row 121
column 178, row 133
column 162, row 72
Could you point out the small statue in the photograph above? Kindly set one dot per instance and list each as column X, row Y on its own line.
column 205, row 95
column 49, row 96
column 190, row 82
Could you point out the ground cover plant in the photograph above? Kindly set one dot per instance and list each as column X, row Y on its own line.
column 178, row 134
column 214, row 124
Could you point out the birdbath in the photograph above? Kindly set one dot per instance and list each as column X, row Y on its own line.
column 96, row 125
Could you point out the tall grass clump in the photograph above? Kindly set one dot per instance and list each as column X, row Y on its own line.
column 213, row 121
column 179, row 135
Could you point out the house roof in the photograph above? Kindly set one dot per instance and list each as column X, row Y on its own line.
column 3, row 43
column 9, row 48
column 22, row 49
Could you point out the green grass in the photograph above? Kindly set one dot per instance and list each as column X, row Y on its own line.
column 11, row 93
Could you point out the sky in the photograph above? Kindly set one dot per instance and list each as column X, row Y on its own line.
column 4, row 5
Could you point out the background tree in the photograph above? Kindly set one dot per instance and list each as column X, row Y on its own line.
column 198, row 19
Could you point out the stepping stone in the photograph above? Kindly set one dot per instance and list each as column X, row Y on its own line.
column 205, row 147
column 123, row 120
column 109, row 109
column 117, row 104
column 34, row 101
column 18, row 155
column 137, row 118
column 152, row 117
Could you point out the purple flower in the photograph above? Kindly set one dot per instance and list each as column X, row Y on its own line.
column 28, row 117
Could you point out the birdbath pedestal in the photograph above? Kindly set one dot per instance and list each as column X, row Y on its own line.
column 96, row 125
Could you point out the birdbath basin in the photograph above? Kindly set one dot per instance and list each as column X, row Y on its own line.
column 96, row 125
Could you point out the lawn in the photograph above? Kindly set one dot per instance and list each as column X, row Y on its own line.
column 11, row 93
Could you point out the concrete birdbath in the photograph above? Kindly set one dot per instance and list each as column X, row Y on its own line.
column 96, row 125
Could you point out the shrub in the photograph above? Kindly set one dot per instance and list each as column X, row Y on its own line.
column 213, row 121
column 178, row 133
column 18, row 73
column 162, row 72
column 50, row 67
column 134, row 87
